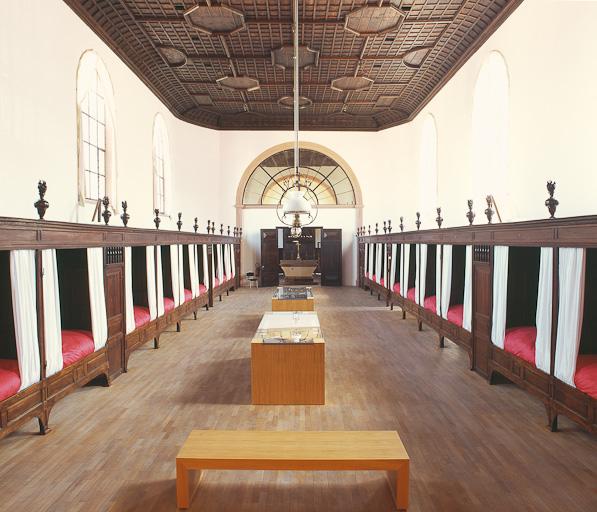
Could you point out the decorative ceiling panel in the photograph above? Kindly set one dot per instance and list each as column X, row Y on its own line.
column 408, row 48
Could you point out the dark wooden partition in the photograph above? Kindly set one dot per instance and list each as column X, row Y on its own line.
column 331, row 257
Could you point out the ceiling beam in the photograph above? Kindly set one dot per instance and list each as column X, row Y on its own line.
column 289, row 84
column 288, row 21
column 330, row 58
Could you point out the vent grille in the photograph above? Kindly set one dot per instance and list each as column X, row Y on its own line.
column 113, row 255
column 481, row 253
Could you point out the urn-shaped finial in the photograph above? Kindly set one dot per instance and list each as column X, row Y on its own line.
column 551, row 202
column 401, row 226
column 489, row 210
column 125, row 216
column 418, row 221
column 107, row 213
column 157, row 219
column 439, row 219
column 470, row 215
column 41, row 205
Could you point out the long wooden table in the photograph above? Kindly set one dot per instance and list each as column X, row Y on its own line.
column 293, row 451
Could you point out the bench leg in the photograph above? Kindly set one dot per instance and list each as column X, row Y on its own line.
column 399, row 484
column 182, row 486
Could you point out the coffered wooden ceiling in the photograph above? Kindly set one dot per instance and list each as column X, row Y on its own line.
column 227, row 65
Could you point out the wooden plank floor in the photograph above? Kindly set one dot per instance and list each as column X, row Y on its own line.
column 473, row 447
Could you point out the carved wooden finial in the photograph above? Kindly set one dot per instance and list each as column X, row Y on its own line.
column 376, row 228
column 195, row 226
column 41, row 205
column 488, row 210
column 213, row 227
column 401, row 224
column 157, row 219
column 179, row 222
column 125, row 216
column 221, row 229
column 418, row 221
column 389, row 226
column 228, row 232
column 439, row 219
column 208, row 226
column 385, row 228
column 470, row 215
column 240, row 232
column 107, row 213
column 551, row 202
column 369, row 230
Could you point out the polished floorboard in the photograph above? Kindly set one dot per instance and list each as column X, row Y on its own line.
column 473, row 447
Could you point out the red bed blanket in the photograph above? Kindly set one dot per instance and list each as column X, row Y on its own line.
column 76, row 344
column 585, row 377
column 142, row 316
column 396, row 288
column 431, row 303
column 216, row 282
column 188, row 295
column 10, row 378
column 168, row 304
column 520, row 341
column 410, row 294
column 456, row 314
column 202, row 289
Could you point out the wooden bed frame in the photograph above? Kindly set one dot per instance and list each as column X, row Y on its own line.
column 487, row 359
column 37, row 400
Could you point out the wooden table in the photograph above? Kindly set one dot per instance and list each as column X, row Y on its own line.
column 281, row 301
column 294, row 451
column 288, row 373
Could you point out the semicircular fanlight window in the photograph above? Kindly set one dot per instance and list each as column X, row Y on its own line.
column 326, row 182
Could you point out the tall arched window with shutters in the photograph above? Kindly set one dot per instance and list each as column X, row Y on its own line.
column 162, row 182
column 490, row 132
column 96, row 140
column 428, row 169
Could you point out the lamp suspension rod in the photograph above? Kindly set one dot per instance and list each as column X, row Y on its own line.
column 296, row 90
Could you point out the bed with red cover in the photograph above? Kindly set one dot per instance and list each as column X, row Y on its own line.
column 76, row 344
column 520, row 341
column 430, row 303
column 188, row 295
column 168, row 304
column 456, row 314
column 142, row 316
column 216, row 282
column 410, row 294
column 10, row 378
column 585, row 377
column 396, row 288
column 202, row 289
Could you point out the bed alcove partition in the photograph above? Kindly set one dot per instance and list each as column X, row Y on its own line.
column 456, row 296
column 80, row 317
column 377, row 283
column 522, row 318
column 410, row 273
column 21, row 395
column 430, row 287
column 142, row 319
column 168, row 294
column 396, row 253
column 202, row 276
column 575, row 354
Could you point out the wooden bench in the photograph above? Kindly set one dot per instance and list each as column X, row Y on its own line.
column 294, row 451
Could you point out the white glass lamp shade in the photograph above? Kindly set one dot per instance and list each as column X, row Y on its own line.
column 296, row 203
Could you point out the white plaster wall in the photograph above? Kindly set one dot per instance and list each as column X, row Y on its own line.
column 40, row 47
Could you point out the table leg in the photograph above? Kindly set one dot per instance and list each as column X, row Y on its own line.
column 399, row 484
column 182, row 486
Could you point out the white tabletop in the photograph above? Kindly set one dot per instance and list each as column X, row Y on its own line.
column 288, row 319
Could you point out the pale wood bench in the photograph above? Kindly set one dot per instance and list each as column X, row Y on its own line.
column 294, row 451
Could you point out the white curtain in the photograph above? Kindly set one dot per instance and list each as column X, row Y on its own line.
column 193, row 269
column 371, row 267
column 438, row 280
column 500, row 294
column 24, row 308
column 446, row 286
column 232, row 260
column 378, row 262
column 227, row 273
column 128, row 289
column 220, row 264
column 181, row 287
column 205, row 267
column 421, row 274
column 174, row 274
column 151, row 295
column 543, row 316
column 570, row 314
column 97, row 297
column 52, row 319
column 366, row 262
column 160, row 281
column 384, row 274
column 467, row 308
column 404, row 263
column 393, row 267
column 213, row 266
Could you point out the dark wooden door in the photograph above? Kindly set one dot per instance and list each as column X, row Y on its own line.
column 482, row 299
column 114, row 290
column 331, row 257
column 270, row 262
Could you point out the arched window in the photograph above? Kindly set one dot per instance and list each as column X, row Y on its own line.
column 489, row 148
column 428, row 169
column 95, row 107
column 161, row 165
column 324, row 179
